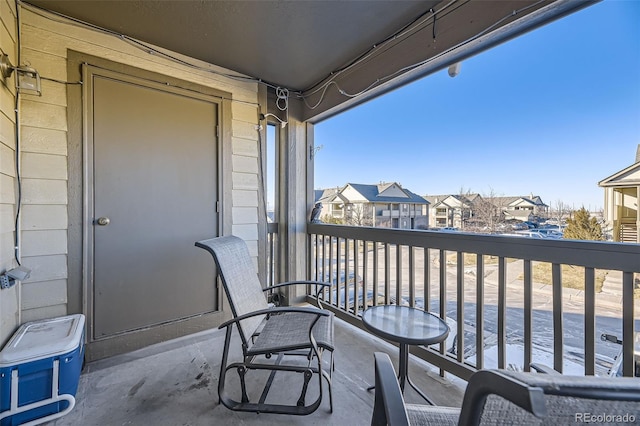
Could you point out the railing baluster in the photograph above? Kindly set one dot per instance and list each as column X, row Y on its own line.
column 443, row 297
column 427, row 280
column 628, row 325
column 502, row 312
column 338, row 268
column 479, row 311
column 319, row 246
column 331, row 269
column 375, row 273
column 558, row 338
column 589, row 322
column 324, row 266
column 399, row 274
column 412, row 278
column 365, row 273
column 346, row 273
column 387, row 275
column 356, row 270
column 528, row 311
column 309, row 263
column 460, row 305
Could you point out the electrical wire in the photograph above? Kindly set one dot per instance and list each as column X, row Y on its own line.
column 16, row 238
column 46, row 13
column 408, row 67
column 282, row 101
column 430, row 17
column 59, row 81
column 408, row 29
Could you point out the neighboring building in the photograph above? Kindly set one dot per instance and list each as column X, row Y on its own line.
column 522, row 208
column 385, row 205
column 464, row 210
column 451, row 210
column 621, row 195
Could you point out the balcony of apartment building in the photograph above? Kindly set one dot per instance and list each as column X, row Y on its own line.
column 504, row 298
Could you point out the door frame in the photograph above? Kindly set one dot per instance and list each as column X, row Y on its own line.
column 82, row 67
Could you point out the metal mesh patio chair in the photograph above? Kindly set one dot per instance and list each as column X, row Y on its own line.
column 269, row 335
column 501, row 397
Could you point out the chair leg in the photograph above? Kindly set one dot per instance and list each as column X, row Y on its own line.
column 329, row 378
column 223, row 365
column 242, row 372
column 308, row 374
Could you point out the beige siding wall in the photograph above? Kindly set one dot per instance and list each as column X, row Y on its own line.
column 9, row 298
column 45, row 43
column 245, row 174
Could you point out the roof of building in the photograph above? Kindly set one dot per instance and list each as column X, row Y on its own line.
column 507, row 201
column 462, row 198
column 498, row 201
column 373, row 193
column 628, row 176
column 329, row 195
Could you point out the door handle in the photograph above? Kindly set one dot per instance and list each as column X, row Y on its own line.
column 103, row 221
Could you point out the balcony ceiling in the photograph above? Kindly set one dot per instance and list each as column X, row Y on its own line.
column 299, row 44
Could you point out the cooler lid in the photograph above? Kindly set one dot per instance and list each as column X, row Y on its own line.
column 43, row 339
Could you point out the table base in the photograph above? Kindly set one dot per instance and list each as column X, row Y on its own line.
column 403, row 373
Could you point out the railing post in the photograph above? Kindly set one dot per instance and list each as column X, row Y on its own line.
column 387, row 275
column 398, row 274
column 528, row 310
column 443, row 297
column 628, row 325
column 589, row 322
column 375, row 273
column 479, row 311
column 412, row 278
column 558, row 338
column 502, row 312
column 460, row 306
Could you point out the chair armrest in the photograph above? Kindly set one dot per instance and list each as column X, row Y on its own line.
column 490, row 382
column 388, row 405
column 288, row 283
column 271, row 311
column 303, row 282
column 545, row 369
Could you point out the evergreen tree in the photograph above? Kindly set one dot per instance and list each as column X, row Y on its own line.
column 583, row 227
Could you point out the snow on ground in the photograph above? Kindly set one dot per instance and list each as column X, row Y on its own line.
column 515, row 359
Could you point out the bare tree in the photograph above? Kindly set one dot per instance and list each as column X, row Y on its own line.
column 464, row 212
column 489, row 210
column 358, row 215
column 560, row 211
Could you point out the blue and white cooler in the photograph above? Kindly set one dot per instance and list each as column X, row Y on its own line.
column 40, row 370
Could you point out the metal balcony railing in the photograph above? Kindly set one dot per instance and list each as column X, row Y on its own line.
column 491, row 289
column 272, row 252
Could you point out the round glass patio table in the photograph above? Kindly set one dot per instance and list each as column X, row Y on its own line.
column 405, row 326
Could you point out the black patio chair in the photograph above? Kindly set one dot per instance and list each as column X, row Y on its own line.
column 501, row 397
column 269, row 335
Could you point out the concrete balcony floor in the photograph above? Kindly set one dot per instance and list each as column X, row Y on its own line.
column 176, row 383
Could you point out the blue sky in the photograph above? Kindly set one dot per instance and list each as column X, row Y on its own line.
column 552, row 113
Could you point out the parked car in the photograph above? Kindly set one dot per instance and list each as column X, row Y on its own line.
column 616, row 367
column 541, row 233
